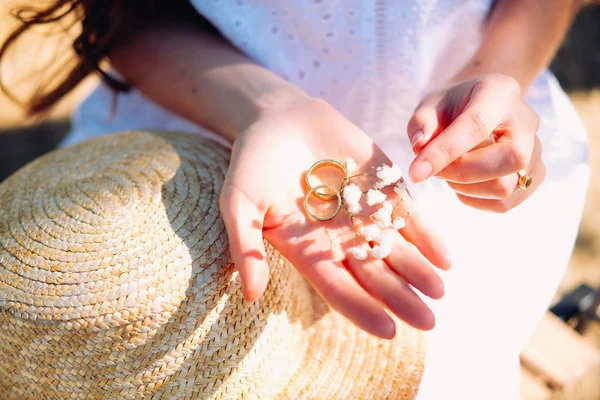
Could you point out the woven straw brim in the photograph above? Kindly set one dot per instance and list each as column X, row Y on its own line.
column 116, row 283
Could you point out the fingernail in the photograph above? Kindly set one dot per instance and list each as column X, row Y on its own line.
column 428, row 322
column 444, row 263
column 388, row 330
column 420, row 171
column 416, row 137
column 441, row 289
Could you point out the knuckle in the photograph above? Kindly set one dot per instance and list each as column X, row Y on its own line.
column 503, row 206
column 477, row 124
column 536, row 118
column 518, row 158
column 500, row 207
column 419, row 117
column 371, row 273
column 495, row 206
column 333, row 293
column 503, row 188
column 504, row 82
column 443, row 155
column 464, row 199
column 532, row 115
column 510, row 84
column 461, row 175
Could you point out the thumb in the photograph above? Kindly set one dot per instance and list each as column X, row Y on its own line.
column 244, row 222
column 424, row 124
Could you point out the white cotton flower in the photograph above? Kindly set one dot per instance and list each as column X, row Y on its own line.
column 387, row 206
column 400, row 187
column 385, row 242
column 370, row 232
column 398, row 223
column 380, row 251
column 375, row 197
column 383, row 216
column 360, row 252
column 388, row 175
column 357, row 224
column 386, row 237
column 352, row 195
column 354, row 208
column 350, row 165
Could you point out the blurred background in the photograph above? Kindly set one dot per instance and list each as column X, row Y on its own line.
column 577, row 66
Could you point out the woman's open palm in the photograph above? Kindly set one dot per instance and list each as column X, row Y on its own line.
column 263, row 197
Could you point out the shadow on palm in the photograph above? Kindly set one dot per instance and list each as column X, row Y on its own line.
column 362, row 289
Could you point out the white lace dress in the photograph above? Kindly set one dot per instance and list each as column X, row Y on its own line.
column 374, row 60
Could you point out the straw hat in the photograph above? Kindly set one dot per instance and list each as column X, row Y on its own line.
column 116, row 283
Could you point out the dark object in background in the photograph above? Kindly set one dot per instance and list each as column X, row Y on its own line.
column 18, row 146
column 577, row 67
column 581, row 304
column 590, row 313
column 577, row 63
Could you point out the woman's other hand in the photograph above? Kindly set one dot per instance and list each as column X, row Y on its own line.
column 477, row 135
column 263, row 197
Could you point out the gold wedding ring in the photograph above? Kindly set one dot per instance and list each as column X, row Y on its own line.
column 320, row 194
column 334, row 193
column 524, row 180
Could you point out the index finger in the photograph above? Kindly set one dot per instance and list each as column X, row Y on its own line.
column 484, row 112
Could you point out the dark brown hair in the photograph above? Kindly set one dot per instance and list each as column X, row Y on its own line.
column 102, row 24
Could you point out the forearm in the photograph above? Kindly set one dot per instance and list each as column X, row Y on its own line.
column 200, row 76
column 520, row 39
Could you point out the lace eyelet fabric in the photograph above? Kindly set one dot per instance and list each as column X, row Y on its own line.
column 358, row 55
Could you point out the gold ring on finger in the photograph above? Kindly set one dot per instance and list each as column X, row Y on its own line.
column 336, row 195
column 320, row 194
column 525, row 180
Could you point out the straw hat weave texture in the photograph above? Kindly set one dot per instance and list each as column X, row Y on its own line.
column 116, row 283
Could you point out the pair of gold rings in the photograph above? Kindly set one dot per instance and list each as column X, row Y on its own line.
column 323, row 191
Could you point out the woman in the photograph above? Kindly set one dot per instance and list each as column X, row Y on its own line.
column 459, row 83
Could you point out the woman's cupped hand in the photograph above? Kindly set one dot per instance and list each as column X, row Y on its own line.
column 263, row 198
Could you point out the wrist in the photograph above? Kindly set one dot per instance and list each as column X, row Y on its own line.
column 274, row 101
column 297, row 114
column 244, row 105
column 475, row 70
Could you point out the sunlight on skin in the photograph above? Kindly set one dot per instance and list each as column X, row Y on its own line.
column 280, row 148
